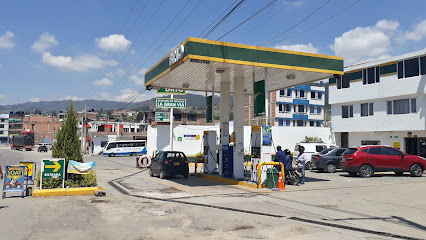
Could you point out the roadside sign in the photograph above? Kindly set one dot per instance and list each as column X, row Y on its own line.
column 170, row 91
column 14, row 179
column 170, row 103
column 162, row 117
column 53, row 168
column 179, row 139
column 31, row 168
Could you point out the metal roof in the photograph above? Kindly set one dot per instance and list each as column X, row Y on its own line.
column 193, row 66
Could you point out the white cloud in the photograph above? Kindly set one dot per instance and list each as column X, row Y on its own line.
column 103, row 82
column 418, row 32
column 127, row 95
column 113, row 42
column 45, row 42
column 142, row 71
column 74, row 98
column 34, row 99
column 3, row 96
column 6, row 40
column 299, row 48
column 363, row 43
column 117, row 73
column 80, row 63
column 137, row 80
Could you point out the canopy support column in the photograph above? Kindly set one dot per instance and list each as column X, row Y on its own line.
column 224, row 113
column 238, row 163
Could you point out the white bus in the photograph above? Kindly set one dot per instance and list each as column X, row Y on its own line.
column 125, row 147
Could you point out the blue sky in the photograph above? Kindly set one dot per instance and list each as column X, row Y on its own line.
column 100, row 49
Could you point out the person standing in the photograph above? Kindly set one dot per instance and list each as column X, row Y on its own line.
column 280, row 156
column 1, row 174
column 301, row 160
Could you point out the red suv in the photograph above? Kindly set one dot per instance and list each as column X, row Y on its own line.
column 366, row 160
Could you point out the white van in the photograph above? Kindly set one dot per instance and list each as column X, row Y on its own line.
column 310, row 149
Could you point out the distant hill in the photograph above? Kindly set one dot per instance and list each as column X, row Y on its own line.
column 193, row 100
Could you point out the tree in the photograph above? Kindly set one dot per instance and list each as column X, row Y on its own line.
column 37, row 111
column 313, row 139
column 139, row 117
column 67, row 141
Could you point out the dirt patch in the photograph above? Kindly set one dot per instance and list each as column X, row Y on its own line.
column 98, row 200
column 170, row 190
column 243, row 227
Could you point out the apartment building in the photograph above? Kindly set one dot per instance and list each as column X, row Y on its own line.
column 382, row 102
column 300, row 106
column 4, row 128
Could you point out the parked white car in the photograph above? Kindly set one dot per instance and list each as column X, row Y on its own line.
column 48, row 145
column 310, row 149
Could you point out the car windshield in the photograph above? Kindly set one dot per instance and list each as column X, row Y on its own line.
column 325, row 151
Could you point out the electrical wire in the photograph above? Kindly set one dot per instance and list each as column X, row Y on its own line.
column 248, row 19
column 217, row 18
column 239, row 4
column 316, row 25
column 297, row 24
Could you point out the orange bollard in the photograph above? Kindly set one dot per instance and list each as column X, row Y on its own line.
column 280, row 181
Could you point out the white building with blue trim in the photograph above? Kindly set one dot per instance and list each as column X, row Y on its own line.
column 382, row 102
column 4, row 128
column 300, row 106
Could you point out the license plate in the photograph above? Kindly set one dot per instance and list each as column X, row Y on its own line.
column 176, row 163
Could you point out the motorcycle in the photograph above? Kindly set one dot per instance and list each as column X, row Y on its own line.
column 292, row 177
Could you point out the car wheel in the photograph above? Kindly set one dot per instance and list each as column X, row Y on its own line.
column 111, row 154
column 399, row 173
column 331, row 168
column 296, row 179
column 132, row 154
column 151, row 173
column 353, row 174
column 366, row 171
column 185, row 175
column 416, row 170
column 320, row 169
column 308, row 166
column 162, row 175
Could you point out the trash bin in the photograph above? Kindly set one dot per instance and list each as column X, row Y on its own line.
column 272, row 178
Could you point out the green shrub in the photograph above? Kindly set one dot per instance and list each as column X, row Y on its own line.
column 49, row 183
column 86, row 180
column 199, row 157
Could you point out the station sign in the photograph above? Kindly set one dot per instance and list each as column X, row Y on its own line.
column 171, row 91
column 162, row 117
column 53, row 168
column 176, row 55
column 170, row 103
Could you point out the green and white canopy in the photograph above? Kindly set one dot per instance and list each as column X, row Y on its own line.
column 196, row 64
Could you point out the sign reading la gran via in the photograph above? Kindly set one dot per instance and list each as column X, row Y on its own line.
column 170, row 103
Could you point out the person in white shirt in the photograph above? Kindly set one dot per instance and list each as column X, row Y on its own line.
column 301, row 160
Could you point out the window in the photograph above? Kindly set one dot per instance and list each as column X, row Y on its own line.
column 340, row 151
column 389, row 103
column 318, row 124
column 1, row 125
column 301, row 108
column 413, row 105
column 351, row 111
column 311, row 123
column 376, row 150
column 178, row 117
column 370, row 109
column 284, row 108
column 1, row 132
column 192, row 117
column 282, row 93
column 316, row 95
column 302, row 94
column 319, row 110
column 319, row 148
column 345, row 81
column 300, row 123
column 364, row 109
column 371, row 75
column 313, row 95
column 411, row 67
column 280, row 123
column 312, row 109
column 391, row 151
column 288, row 92
column 345, row 111
column 370, row 142
column 402, row 106
column 2, row 120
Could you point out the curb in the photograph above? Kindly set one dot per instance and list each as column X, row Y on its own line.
column 66, row 191
column 227, row 180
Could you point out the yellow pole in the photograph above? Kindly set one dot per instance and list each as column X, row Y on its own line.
column 259, row 171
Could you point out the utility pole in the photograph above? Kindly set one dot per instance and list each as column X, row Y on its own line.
column 84, row 128
column 171, row 126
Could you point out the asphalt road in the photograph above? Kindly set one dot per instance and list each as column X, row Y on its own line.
column 328, row 206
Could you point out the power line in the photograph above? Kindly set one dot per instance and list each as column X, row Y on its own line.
column 297, row 24
column 248, row 19
column 161, row 44
column 316, row 25
column 217, row 18
column 288, row 4
column 224, row 18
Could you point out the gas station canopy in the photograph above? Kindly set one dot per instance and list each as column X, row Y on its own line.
column 197, row 65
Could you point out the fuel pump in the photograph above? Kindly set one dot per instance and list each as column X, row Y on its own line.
column 261, row 148
column 209, row 152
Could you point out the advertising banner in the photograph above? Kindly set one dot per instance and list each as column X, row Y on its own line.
column 267, row 135
column 81, row 168
column 14, row 179
column 31, row 168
